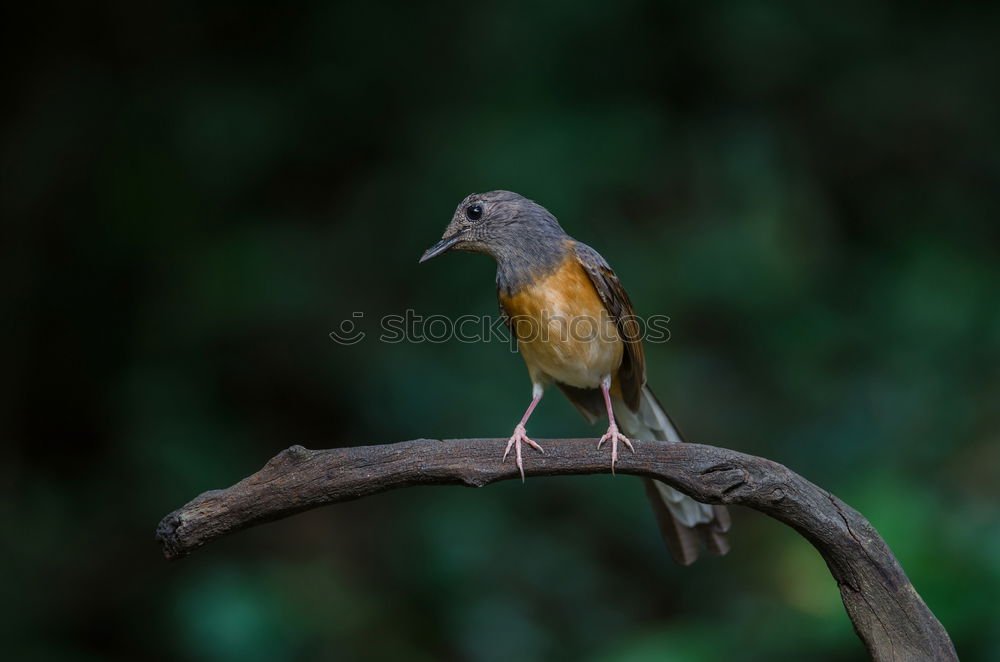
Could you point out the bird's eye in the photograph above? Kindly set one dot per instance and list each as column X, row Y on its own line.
column 474, row 212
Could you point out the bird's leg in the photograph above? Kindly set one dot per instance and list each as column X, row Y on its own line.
column 520, row 434
column 612, row 434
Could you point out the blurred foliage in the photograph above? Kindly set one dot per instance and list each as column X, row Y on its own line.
column 195, row 194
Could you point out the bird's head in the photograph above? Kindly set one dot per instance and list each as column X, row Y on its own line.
column 496, row 223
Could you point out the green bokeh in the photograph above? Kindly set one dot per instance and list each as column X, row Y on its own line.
column 194, row 196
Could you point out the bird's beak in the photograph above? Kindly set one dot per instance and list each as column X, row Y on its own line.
column 441, row 247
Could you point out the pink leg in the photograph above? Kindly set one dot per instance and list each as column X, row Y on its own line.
column 520, row 434
column 612, row 432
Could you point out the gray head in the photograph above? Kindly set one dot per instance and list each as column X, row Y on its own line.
column 515, row 231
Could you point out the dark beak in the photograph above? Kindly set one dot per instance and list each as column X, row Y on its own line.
column 441, row 247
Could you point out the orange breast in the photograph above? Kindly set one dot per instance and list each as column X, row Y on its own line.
column 564, row 331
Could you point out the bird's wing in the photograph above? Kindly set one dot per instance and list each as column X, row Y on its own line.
column 632, row 372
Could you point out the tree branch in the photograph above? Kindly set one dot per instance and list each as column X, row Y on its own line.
column 888, row 614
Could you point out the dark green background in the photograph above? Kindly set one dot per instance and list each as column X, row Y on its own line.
column 194, row 197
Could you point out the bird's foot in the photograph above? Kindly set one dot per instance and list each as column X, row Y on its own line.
column 520, row 434
column 614, row 436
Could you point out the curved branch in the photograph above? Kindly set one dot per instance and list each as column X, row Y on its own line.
column 888, row 614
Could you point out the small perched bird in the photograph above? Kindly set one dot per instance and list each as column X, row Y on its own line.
column 575, row 328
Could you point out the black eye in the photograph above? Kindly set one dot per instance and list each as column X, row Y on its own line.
column 474, row 212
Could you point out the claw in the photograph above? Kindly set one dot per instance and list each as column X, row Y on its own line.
column 615, row 436
column 520, row 434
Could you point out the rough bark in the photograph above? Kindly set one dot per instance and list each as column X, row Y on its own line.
column 889, row 616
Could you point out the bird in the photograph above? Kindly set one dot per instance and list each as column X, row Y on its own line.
column 575, row 327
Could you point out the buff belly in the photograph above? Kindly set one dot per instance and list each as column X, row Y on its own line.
column 563, row 329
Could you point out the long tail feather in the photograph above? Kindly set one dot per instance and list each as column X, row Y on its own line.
column 685, row 524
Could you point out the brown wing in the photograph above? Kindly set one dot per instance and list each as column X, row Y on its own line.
column 632, row 373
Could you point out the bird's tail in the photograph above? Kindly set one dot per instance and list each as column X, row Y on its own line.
column 686, row 525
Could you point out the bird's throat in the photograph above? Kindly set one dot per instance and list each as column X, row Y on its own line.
column 521, row 263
